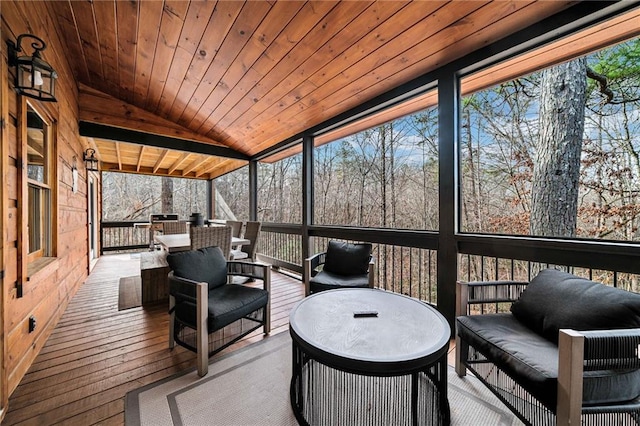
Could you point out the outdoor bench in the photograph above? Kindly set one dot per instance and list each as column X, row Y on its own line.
column 568, row 352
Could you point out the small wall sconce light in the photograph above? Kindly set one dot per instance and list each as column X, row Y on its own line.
column 90, row 159
column 74, row 176
column 34, row 76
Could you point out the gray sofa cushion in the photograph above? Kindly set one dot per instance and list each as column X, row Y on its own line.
column 325, row 280
column 555, row 299
column 532, row 361
column 347, row 258
column 203, row 265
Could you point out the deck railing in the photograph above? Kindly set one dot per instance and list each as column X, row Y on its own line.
column 484, row 268
column 122, row 237
column 407, row 270
column 406, row 261
column 281, row 246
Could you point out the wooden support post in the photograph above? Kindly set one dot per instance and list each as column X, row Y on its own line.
column 462, row 349
column 570, row 370
column 267, row 287
column 202, row 332
column 172, row 316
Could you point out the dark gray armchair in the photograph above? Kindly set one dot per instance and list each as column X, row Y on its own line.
column 207, row 312
column 344, row 265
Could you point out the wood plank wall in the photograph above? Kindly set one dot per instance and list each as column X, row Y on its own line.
column 47, row 292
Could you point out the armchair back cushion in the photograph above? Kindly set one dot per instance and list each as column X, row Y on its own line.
column 555, row 299
column 203, row 265
column 347, row 259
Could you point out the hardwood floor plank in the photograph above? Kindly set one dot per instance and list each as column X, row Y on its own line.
column 109, row 413
column 92, row 363
column 97, row 354
column 82, row 369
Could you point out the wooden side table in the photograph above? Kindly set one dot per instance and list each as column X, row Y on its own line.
column 154, row 270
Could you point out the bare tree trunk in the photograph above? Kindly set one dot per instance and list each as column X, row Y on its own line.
column 554, row 198
column 472, row 212
column 383, row 140
column 392, row 174
column 166, row 195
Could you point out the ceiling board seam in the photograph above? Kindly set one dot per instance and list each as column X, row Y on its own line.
column 167, row 12
column 77, row 31
column 97, row 35
column 243, row 26
column 198, row 76
column 319, row 22
column 143, row 76
column 165, row 107
column 231, row 89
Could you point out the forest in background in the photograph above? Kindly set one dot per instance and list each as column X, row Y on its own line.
column 500, row 150
column 555, row 153
column 387, row 176
column 131, row 197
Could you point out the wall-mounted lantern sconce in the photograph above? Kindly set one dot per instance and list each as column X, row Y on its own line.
column 34, row 76
column 90, row 159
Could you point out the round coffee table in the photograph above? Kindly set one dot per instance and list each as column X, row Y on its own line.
column 366, row 356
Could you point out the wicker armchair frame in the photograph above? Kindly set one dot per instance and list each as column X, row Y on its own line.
column 174, row 227
column 197, row 337
column 578, row 351
column 236, row 227
column 219, row 236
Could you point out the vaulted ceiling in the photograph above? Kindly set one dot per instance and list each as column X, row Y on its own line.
column 244, row 76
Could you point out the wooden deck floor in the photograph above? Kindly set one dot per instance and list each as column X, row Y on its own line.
column 97, row 354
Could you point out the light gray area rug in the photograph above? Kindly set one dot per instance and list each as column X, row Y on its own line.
column 251, row 387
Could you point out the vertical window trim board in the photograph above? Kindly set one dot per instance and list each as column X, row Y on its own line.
column 49, row 114
column 23, row 191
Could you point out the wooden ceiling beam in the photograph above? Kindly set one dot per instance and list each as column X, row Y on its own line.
column 161, row 158
column 140, row 157
column 208, row 169
column 198, row 162
column 144, row 170
column 224, row 167
column 118, row 156
column 179, row 162
column 114, row 133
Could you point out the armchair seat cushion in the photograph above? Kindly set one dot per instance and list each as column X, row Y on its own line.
column 239, row 254
column 325, row 280
column 227, row 304
column 532, row 361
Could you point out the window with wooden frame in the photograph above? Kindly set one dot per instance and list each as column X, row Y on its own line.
column 38, row 188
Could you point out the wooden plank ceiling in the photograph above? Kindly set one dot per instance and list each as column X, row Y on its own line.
column 247, row 75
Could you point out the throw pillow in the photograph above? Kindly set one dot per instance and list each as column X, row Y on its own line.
column 556, row 299
column 347, row 258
